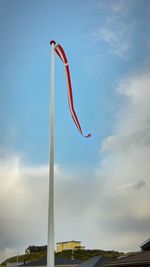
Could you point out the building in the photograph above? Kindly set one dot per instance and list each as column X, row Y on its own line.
column 32, row 249
column 69, row 245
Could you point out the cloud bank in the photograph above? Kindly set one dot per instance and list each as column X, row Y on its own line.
column 126, row 164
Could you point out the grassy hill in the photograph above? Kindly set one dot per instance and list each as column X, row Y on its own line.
column 26, row 257
column 86, row 254
column 77, row 254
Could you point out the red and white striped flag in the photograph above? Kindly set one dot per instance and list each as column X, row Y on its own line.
column 61, row 53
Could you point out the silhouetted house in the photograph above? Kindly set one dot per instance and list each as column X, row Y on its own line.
column 32, row 249
column 95, row 261
column 145, row 245
column 141, row 258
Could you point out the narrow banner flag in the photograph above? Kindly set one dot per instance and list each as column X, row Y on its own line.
column 61, row 53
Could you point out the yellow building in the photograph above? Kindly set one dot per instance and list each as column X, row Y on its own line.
column 73, row 245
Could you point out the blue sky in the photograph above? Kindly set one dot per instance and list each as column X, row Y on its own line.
column 26, row 30
column 107, row 45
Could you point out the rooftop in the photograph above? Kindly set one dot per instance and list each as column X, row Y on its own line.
column 145, row 245
column 141, row 258
column 94, row 261
column 58, row 261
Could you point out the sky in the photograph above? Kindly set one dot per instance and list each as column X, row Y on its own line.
column 102, row 183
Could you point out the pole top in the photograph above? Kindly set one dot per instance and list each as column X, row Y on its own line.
column 52, row 42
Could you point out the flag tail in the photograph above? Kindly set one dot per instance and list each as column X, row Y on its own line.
column 61, row 53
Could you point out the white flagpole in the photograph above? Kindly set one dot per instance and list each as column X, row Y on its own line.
column 50, row 247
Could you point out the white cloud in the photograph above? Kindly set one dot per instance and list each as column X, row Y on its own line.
column 116, row 39
column 21, row 191
column 116, row 31
column 133, row 126
column 109, row 143
column 116, row 6
column 131, row 185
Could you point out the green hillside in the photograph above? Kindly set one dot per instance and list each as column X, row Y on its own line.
column 86, row 254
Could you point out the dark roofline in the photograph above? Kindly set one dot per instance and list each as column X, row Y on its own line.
column 135, row 263
column 34, row 246
column 145, row 242
column 141, row 258
column 145, row 245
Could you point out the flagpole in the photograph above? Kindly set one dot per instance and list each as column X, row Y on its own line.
column 50, row 247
